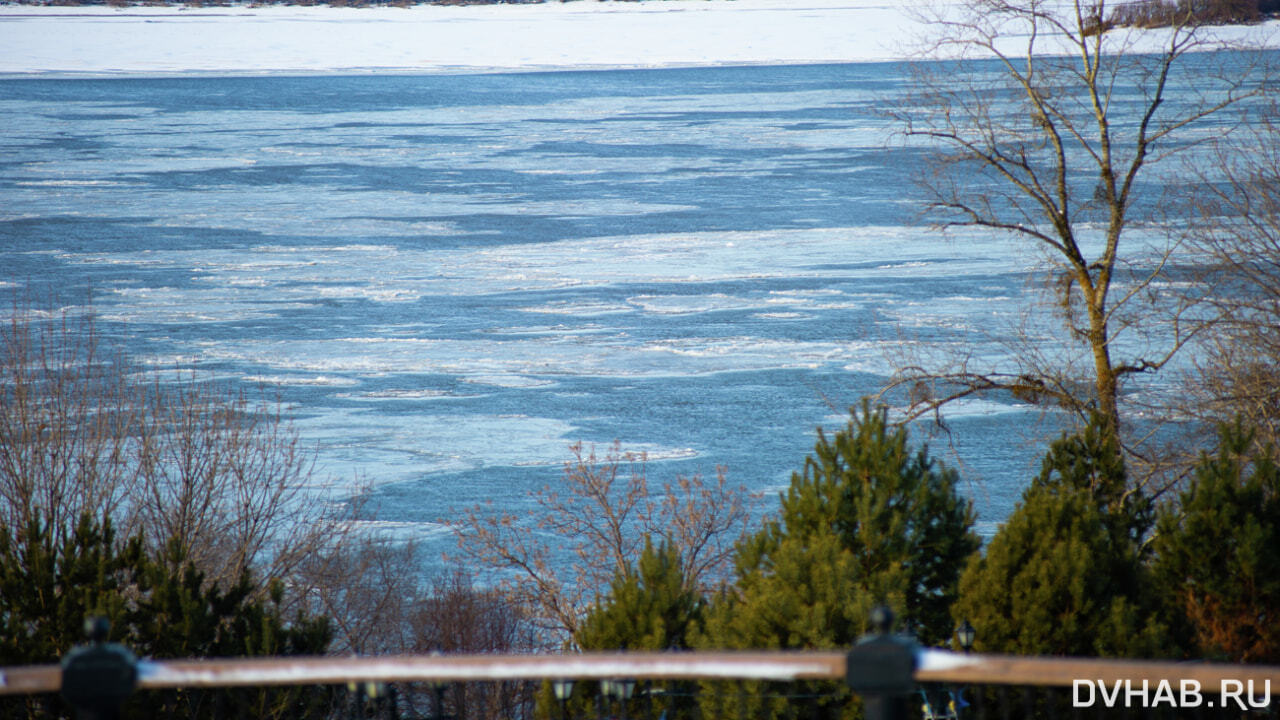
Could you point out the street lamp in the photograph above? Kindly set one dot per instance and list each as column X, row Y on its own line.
column 563, row 690
column 965, row 634
column 366, row 694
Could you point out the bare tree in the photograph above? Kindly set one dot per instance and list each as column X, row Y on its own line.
column 369, row 587
column 454, row 616
column 228, row 475
column 1048, row 125
column 167, row 455
column 556, row 560
column 173, row 455
column 66, row 421
column 1237, row 238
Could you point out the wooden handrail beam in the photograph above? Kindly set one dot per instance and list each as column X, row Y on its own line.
column 932, row 666
column 29, row 679
column 949, row 667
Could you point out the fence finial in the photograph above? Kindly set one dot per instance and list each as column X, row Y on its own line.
column 98, row 678
column 881, row 668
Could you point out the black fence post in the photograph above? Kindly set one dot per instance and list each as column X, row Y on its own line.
column 98, row 678
column 393, row 702
column 437, row 690
column 357, row 697
column 881, row 668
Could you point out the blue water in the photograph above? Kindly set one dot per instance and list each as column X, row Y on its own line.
column 449, row 279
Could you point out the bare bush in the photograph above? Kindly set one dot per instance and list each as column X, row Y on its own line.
column 167, row 455
column 558, row 558
column 378, row 603
column 67, row 422
column 228, row 475
column 370, row 589
column 1237, row 234
column 454, row 616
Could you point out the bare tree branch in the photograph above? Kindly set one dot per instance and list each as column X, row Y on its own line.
column 168, row 456
column 558, row 559
column 1045, row 129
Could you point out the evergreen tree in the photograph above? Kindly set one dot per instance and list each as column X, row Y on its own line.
column 1218, row 553
column 650, row 606
column 1088, row 460
column 1065, row 574
column 868, row 521
column 1091, row 461
column 158, row 607
column 47, row 589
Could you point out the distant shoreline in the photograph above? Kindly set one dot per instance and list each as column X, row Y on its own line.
column 450, row 37
column 444, row 37
column 292, row 3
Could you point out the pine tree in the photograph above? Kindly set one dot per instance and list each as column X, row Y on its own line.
column 1091, row 460
column 159, row 607
column 1065, row 574
column 1218, row 553
column 46, row 590
column 868, row 521
column 651, row 605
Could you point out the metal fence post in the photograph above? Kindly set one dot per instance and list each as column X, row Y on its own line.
column 98, row 678
column 881, row 668
column 393, row 702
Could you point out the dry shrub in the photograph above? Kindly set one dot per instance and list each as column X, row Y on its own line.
column 168, row 454
column 454, row 616
column 555, row 560
column 379, row 603
column 368, row 587
column 1236, row 238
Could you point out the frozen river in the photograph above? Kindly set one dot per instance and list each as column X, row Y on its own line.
column 451, row 278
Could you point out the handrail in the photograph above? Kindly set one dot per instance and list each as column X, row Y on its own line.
column 931, row 666
column 949, row 667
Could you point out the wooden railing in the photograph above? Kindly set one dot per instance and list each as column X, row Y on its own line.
column 927, row 666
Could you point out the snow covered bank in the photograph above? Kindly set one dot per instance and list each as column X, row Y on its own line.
column 436, row 38
column 428, row 38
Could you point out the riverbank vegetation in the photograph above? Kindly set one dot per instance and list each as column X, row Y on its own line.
column 1087, row 564
column 1172, row 13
